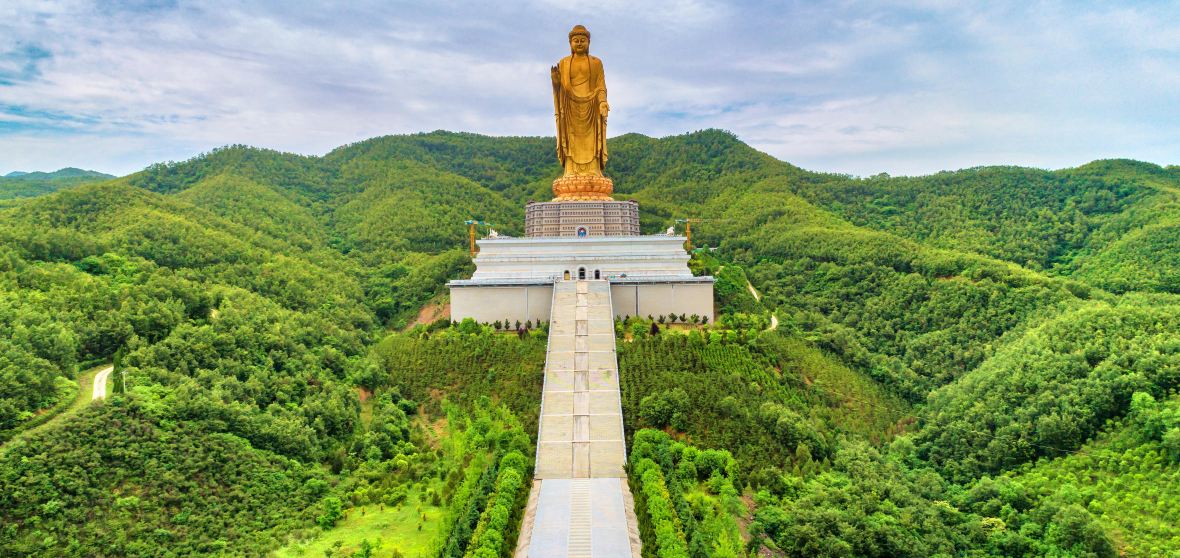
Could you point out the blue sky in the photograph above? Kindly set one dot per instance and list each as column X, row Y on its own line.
column 854, row 87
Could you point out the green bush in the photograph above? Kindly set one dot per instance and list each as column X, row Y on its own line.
column 333, row 510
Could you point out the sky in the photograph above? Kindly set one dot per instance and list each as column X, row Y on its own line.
column 860, row 88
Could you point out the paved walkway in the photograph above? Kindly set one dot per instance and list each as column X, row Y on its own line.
column 580, row 505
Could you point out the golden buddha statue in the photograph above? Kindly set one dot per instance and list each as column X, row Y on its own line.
column 580, row 107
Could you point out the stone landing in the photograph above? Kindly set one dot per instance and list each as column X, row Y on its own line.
column 580, row 505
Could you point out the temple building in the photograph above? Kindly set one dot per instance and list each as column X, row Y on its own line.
column 514, row 277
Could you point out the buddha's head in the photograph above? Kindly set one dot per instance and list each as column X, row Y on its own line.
column 579, row 40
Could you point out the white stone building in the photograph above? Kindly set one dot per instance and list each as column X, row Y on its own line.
column 514, row 277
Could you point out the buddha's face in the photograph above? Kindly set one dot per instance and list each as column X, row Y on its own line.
column 579, row 44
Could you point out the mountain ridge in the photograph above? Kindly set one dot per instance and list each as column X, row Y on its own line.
column 19, row 184
column 65, row 172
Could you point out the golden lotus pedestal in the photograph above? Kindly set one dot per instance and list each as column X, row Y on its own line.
column 583, row 188
column 583, row 206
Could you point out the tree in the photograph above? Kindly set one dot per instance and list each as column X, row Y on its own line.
column 1171, row 443
column 333, row 510
column 666, row 408
column 469, row 326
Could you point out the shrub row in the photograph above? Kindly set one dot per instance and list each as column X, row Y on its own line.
column 496, row 526
column 657, row 513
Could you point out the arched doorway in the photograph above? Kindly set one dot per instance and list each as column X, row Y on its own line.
column 567, row 275
column 581, row 273
column 597, row 275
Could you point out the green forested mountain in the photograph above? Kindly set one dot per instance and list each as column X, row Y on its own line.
column 1096, row 222
column 68, row 172
column 30, row 184
column 972, row 363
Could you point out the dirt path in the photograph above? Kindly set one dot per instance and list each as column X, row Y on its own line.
column 758, row 297
column 100, row 383
column 750, row 287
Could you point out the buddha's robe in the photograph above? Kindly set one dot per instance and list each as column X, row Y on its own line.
column 581, row 129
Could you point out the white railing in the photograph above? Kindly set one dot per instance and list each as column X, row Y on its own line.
column 545, row 380
column 618, row 370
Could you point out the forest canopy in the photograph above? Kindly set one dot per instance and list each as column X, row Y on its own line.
column 982, row 362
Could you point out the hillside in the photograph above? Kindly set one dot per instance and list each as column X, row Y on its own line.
column 1107, row 223
column 934, row 333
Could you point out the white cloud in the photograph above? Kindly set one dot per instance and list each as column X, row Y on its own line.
column 668, row 14
column 861, row 88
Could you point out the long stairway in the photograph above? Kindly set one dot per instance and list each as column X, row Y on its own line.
column 580, row 505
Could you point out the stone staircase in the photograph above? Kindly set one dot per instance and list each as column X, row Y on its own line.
column 580, row 505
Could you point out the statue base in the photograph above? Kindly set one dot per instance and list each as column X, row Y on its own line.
column 581, row 218
column 583, row 188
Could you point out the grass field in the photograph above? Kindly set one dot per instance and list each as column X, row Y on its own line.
column 386, row 528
